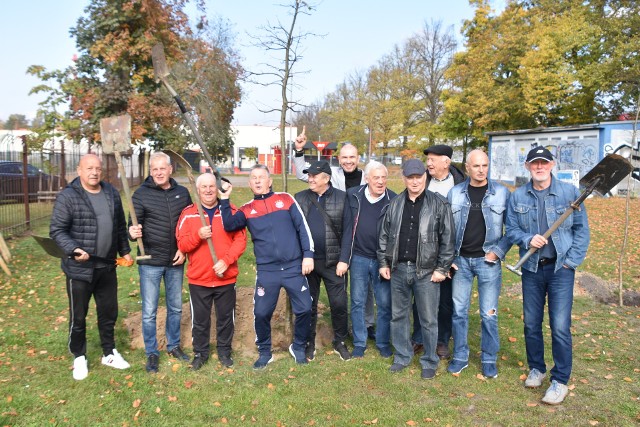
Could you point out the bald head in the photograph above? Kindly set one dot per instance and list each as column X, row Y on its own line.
column 348, row 157
column 477, row 168
column 90, row 171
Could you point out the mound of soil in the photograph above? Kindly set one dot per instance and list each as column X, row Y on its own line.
column 244, row 337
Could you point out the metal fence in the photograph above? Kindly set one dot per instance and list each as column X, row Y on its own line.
column 27, row 195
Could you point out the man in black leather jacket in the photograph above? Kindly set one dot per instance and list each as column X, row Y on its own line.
column 88, row 219
column 416, row 247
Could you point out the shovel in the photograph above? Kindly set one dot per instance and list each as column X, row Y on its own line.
column 178, row 159
column 115, row 133
column 161, row 70
column 50, row 247
column 601, row 179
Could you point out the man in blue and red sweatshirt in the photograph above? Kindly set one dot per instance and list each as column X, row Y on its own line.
column 283, row 248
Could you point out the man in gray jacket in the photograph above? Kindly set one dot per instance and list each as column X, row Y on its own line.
column 416, row 246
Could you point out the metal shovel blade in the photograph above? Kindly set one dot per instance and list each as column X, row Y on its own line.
column 160, row 68
column 116, row 134
column 609, row 172
column 50, row 246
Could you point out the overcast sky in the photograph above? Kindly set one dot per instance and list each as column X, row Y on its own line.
column 358, row 33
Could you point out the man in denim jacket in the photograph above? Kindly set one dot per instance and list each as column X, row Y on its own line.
column 549, row 273
column 479, row 208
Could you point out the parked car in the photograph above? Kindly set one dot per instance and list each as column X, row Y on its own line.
column 11, row 182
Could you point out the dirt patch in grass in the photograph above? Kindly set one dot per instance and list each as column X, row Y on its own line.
column 244, row 337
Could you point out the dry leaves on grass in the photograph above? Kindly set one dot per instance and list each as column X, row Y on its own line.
column 136, row 403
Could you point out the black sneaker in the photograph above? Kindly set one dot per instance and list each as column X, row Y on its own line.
column 341, row 350
column 152, row 363
column 225, row 360
column 178, row 354
column 198, row 361
column 310, row 351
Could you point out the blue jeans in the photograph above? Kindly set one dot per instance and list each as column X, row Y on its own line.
column 150, row 277
column 558, row 289
column 364, row 271
column 405, row 284
column 489, row 284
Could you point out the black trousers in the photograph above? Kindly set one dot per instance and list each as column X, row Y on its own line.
column 104, row 288
column 337, row 292
column 445, row 311
column 202, row 298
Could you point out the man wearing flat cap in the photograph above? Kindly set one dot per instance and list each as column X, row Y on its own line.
column 329, row 218
column 442, row 177
column 415, row 252
column 548, row 275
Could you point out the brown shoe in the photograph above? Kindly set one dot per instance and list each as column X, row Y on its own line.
column 418, row 348
column 442, row 350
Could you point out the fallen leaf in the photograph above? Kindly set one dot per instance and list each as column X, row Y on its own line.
column 218, row 404
column 188, row 384
column 175, row 367
column 523, row 377
column 136, row 403
column 480, row 377
column 411, row 423
column 608, row 377
column 470, row 395
column 158, row 409
column 223, row 420
column 271, row 386
column 173, row 398
column 571, row 387
column 513, row 339
column 627, row 379
column 9, row 399
column 531, row 404
column 593, row 422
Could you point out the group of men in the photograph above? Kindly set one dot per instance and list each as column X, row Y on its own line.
column 417, row 252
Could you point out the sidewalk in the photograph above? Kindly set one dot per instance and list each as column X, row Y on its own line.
column 236, row 180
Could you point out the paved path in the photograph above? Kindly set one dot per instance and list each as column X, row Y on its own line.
column 236, row 180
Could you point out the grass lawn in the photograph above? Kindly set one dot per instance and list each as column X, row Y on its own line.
column 36, row 386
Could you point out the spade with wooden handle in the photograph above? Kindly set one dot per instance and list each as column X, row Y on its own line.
column 161, row 71
column 179, row 160
column 116, row 138
column 602, row 178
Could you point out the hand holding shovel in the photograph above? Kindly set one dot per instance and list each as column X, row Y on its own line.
column 178, row 159
column 602, row 178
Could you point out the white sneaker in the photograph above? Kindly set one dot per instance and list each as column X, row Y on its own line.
column 80, row 368
column 555, row 393
column 115, row 360
column 534, row 380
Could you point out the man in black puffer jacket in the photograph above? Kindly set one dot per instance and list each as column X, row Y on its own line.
column 330, row 222
column 158, row 204
column 88, row 219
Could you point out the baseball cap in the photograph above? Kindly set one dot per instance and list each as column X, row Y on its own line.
column 539, row 153
column 440, row 150
column 413, row 167
column 317, row 167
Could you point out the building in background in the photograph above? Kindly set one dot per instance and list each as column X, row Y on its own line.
column 577, row 150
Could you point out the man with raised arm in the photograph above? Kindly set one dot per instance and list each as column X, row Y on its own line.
column 283, row 248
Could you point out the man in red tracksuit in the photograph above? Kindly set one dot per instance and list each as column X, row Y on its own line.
column 208, row 282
